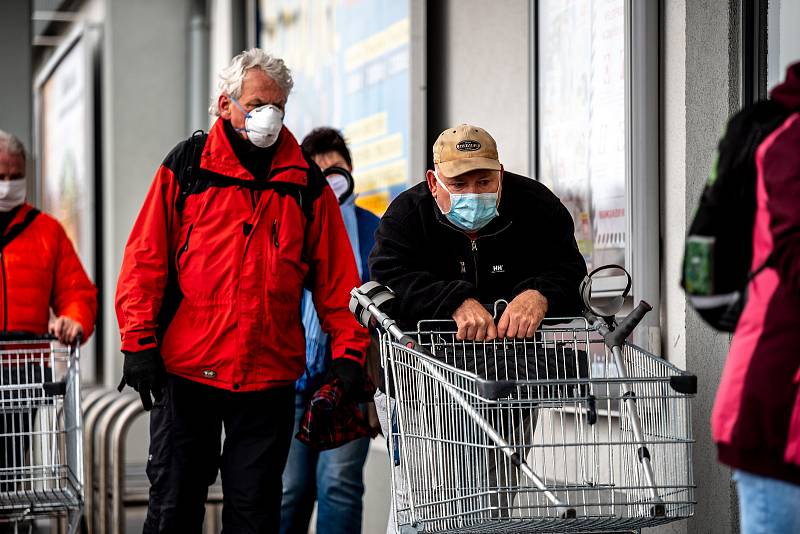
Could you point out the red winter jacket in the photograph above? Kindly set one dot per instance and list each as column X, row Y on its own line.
column 241, row 264
column 756, row 417
column 40, row 270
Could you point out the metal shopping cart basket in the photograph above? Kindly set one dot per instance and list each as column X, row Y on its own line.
column 41, row 464
column 571, row 431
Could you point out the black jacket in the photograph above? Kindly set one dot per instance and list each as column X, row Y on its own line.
column 433, row 267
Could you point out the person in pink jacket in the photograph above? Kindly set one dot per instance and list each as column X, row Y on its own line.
column 756, row 417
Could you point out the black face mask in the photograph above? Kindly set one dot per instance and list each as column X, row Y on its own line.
column 341, row 181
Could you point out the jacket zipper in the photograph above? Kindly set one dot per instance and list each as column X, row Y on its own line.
column 185, row 247
column 276, row 243
column 475, row 258
column 474, row 243
column 5, row 293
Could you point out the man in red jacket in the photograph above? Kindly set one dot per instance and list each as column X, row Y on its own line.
column 235, row 225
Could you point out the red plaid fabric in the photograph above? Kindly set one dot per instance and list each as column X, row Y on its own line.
column 331, row 420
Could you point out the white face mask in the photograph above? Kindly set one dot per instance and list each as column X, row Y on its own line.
column 263, row 124
column 12, row 193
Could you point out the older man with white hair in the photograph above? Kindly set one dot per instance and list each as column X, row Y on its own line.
column 235, row 224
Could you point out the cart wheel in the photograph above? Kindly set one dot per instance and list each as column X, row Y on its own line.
column 659, row 510
column 567, row 513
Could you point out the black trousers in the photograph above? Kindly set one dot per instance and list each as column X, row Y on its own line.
column 185, row 435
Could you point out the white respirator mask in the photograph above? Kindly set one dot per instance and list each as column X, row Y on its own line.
column 262, row 124
column 12, row 193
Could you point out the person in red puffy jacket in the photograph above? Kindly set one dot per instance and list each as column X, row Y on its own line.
column 235, row 225
column 39, row 272
column 39, row 268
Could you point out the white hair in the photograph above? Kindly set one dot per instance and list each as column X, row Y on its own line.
column 10, row 144
column 232, row 76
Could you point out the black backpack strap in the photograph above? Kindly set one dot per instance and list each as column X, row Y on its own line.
column 188, row 172
column 18, row 228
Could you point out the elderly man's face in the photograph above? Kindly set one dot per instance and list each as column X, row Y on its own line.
column 478, row 181
column 12, row 166
column 258, row 89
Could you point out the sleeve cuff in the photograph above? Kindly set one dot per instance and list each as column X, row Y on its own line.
column 139, row 342
column 352, row 354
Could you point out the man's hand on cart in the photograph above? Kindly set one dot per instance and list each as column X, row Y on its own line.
column 523, row 315
column 65, row 329
column 144, row 371
column 474, row 322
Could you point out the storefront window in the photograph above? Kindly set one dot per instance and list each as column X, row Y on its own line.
column 581, row 120
column 350, row 63
column 783, row 38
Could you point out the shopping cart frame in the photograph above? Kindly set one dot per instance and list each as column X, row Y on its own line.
column 40, row 399
column 613, row 336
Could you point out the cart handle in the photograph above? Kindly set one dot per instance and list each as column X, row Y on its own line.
column 25, row 336
column 497, row 308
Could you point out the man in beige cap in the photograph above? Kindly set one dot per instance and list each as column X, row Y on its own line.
column 471, row 234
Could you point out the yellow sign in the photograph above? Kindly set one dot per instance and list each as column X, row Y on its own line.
column 377, row 203
column 376, row 45
column 365, row 129
column 384, row 149
column 385, row 176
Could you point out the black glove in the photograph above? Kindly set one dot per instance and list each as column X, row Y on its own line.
column 351, row 375
column 144, row 371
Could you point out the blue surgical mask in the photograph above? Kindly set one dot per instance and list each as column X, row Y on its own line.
column 470, row 211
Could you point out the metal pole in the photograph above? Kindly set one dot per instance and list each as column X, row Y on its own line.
column 197, row 115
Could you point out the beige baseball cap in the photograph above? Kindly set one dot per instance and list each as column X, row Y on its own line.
column 465, row 148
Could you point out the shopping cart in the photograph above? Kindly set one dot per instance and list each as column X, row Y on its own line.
column 41, row 464
column 573, row 430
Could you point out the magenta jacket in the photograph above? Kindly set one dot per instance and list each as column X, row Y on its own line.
column 756, row 416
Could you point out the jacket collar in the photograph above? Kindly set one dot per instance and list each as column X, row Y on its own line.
column 787, row 93
column 288, row 163
column 19, row 216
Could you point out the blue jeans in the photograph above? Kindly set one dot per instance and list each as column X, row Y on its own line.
column 334, row 478
column 767, row 505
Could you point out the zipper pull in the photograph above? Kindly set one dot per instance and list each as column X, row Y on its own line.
column 474, row 246
column 275, row 233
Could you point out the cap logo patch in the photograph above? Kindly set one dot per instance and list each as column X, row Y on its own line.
column 468, row 145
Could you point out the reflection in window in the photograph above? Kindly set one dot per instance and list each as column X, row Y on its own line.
column 783, row 38
column 581, row 87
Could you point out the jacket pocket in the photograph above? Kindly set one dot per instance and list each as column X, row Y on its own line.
column 184, row 247
column 285, row 242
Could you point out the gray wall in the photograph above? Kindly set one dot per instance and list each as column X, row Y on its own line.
column 144, row 115
column 700, row 89
column 16, row 108
column 486, row 73
column 712, row 95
